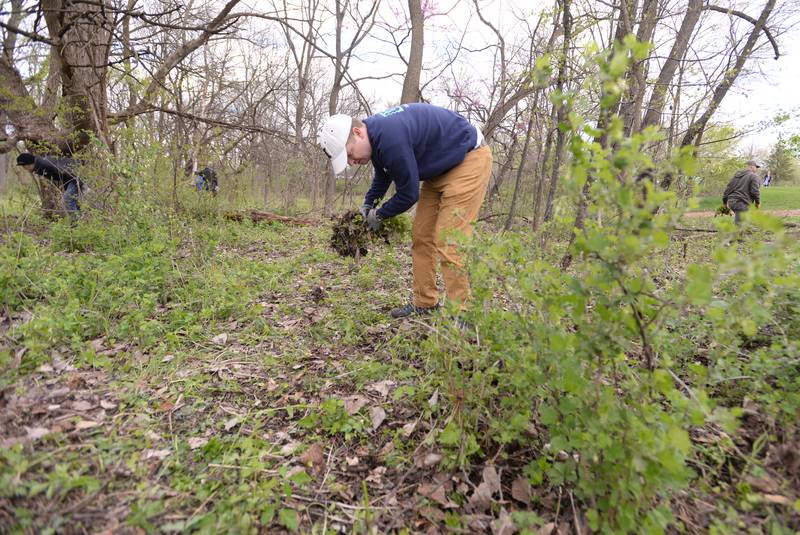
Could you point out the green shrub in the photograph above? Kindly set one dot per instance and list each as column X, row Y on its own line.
column 586, row 371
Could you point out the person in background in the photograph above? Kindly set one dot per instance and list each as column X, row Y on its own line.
column 742, row 191
column 58, row 173
column 767, row 178
column 209, row 180
column 198, row 182
column 409, row 145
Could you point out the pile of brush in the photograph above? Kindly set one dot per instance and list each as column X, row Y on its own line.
column 352, row 237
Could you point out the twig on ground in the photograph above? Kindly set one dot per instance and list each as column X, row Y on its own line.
column 578, row 529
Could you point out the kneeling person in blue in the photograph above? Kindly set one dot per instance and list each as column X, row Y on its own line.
column 59, row 175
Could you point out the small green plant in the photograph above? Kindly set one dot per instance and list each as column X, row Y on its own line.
column 333, row 418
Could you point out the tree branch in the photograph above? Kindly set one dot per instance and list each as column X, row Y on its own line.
column 749, row 19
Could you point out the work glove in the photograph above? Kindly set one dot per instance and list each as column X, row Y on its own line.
column 364, row 211
column 374, row 221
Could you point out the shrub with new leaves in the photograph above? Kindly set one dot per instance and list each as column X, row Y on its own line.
column 585, row 371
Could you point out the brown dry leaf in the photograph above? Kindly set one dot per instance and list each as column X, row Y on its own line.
column 425, row 459
column 352, row 461
column 314, row 459
column 547, row 529
column 382, row 387
column 431, row 459
column 387, row 449
column 434, row 399
column 167, row 358
column 376, row 475
column 434, row 514
column 433, row 491
column 35, row 433
column 521, row 490
column 220, row 339
column 197, row 442
column 377, row 415
column 18, row 357
column 289, row 448
column 353, row 404
column 409, row 428
column 491, row 478
column 82, row 406
column 85, row 424
column 481, row 499
column 766, row 485
column 777, row 499
column 108, row 405
column 98, row 344
column 45, row 368
column 503, row 525
column 155, row 454
column 231, row 423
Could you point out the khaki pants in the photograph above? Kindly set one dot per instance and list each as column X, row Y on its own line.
column 446, row 203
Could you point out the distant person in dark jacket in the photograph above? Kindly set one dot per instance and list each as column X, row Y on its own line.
column 57, row 172
column 209, row 180
column 436, row 159
column 742, row 191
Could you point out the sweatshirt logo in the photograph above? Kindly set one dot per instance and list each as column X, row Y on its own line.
column 392, row 111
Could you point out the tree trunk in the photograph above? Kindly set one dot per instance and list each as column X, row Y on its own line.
column 85, row 32
column 518, row 180
column 414, row 70
column 679, row 47
column 3, row 174
column 562, row 106
column 637, row 78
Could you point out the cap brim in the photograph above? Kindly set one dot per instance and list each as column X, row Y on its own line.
column 339, row 162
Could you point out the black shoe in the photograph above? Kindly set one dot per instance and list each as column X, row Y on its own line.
column 411, row 309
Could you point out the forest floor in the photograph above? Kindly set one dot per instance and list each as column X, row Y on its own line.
column 273, row 394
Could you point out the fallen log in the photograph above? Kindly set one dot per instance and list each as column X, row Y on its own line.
column 256, row 215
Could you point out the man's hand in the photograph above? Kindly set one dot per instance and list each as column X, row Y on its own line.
column 364, row 210
column 758, row 205
column 374, row 220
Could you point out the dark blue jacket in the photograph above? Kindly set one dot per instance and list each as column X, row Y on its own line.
column 55, row 170
column 414, row 142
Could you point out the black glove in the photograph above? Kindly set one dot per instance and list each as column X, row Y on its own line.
column 374, row 221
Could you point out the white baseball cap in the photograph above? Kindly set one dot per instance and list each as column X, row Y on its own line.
column 332, row 137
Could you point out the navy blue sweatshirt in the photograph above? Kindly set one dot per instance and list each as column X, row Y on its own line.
column 414, row 142
column 54, row 170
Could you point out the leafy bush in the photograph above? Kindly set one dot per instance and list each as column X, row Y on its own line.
column 585, row 370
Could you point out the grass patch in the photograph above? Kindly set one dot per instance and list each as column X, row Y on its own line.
column 772, row 198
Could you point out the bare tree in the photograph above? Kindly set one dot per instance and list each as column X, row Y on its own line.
column 414, row 68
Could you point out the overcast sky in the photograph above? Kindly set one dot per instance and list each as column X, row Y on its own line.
column 762, row 97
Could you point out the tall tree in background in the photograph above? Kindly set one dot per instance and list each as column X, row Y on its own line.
column 411, row 81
